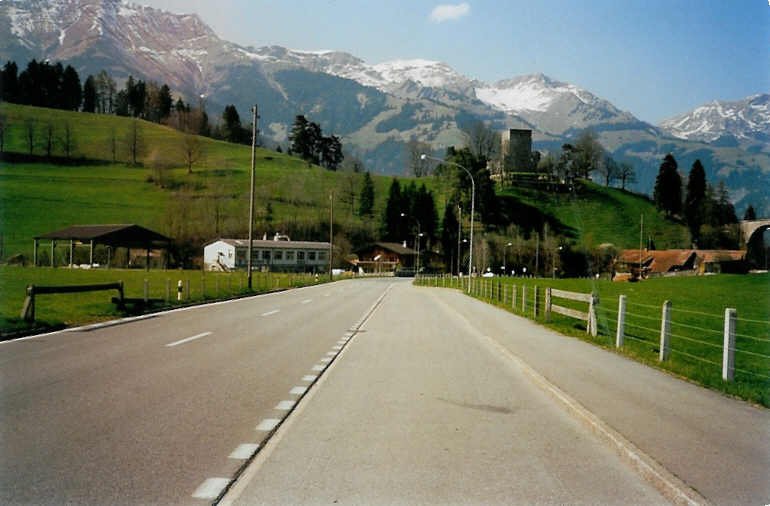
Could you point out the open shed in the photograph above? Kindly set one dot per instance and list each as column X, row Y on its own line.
column 112, row 236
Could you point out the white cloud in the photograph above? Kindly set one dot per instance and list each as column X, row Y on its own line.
column 448, row 12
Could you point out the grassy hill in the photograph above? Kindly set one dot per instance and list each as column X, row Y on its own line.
column 212, row 201
column 597, row 215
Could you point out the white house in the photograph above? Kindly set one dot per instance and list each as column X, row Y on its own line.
column 278, row 254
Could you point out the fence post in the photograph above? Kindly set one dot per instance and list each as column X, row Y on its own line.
column 505, row 296
column 28, row 310
column 187, row 289
column 728, row 352
column 620, row 334
column 514, row 292
column 524, row 299
column 593, row 321
column 146, row 290
column 665, row 331
column 534, row 302
column 548, row 304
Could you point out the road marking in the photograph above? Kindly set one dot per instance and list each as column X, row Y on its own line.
column 269, row 313
column 268, row 424
column 211, row 488
column 337, row 347
column 331, row 354
column 318, row 367
column 285, row 405
column 244, row 451
column 326, row 360
column 187, row 340
column 307, row 301
column 310, row 377
column 298, row 390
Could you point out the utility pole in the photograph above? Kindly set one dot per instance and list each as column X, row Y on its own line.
column 459, row 236
column 331, row 234
column 254, row 131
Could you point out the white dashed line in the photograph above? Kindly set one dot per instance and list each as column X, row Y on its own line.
column 285, row 405
column 211, row 488
column 337, row 347
column 268, row 424
column 310, row 377
column 187, row 340
column 326, row 360
column 244, row 451
column 331, row 354
column 307, row 301
column 269, row 313
column 318, row 367
column 298, row 390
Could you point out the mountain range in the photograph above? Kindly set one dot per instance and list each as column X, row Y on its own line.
column 378, row 108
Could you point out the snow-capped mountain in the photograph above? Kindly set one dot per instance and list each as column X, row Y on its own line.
column 747, row 119
column 376, row 108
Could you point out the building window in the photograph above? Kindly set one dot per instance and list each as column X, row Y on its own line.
column 278, row 255
column 322, row 256
column 311, row 256
column 289, row 256
column 301, row 255
column 266, row 255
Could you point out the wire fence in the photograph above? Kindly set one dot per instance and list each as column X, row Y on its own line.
column 691, row 342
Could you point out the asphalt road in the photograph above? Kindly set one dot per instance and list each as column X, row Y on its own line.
column 146, row 412
column 421, row 409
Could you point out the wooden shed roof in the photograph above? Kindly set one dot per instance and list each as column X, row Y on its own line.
column 128, row 235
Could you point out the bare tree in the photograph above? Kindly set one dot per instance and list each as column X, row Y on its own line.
column 134, row 142
column 3, row 126
column 414, row 162
column 608, row 169
column 192, row 150
column 49, row 138
column 30, row 130
column 482, row 140
column 626, row 174
column 68, row 140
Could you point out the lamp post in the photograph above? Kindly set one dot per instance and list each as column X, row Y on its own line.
column 505, row 255
column 473, row 209
column 459, row 236
column 416, row 241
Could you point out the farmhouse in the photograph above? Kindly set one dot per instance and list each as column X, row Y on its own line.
column 633, row 263
column 278, row 254
column 384, row 257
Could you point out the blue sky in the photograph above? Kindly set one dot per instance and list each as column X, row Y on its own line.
column 654, row 58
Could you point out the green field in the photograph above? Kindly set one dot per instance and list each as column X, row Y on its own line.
column 59, row 310
column 598, row 215
column 212, row 202
column 697, row 318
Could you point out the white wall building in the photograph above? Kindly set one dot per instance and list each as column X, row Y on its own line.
column 278, row 254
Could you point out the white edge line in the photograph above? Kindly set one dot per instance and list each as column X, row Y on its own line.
column 244, row 451
column 211, row 488
column 310, row 377
column 270, row 313
column 268, row 424
column 188, row 339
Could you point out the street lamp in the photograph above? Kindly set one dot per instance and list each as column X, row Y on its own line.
column 416, row 241
column 473, row 208
column 505, row 255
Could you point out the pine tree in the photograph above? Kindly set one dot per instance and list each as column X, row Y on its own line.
column 695, row 199
column 750, row 213
column 449, row 232
column 392, row 222
column 9, row 84
column 366, row 199
column 89, row 95
column 668, row 187
column 71, row 90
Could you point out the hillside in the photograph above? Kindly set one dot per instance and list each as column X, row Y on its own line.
column 377, row 108
column 159, row 193
column 599, row 215
column 292, row 197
